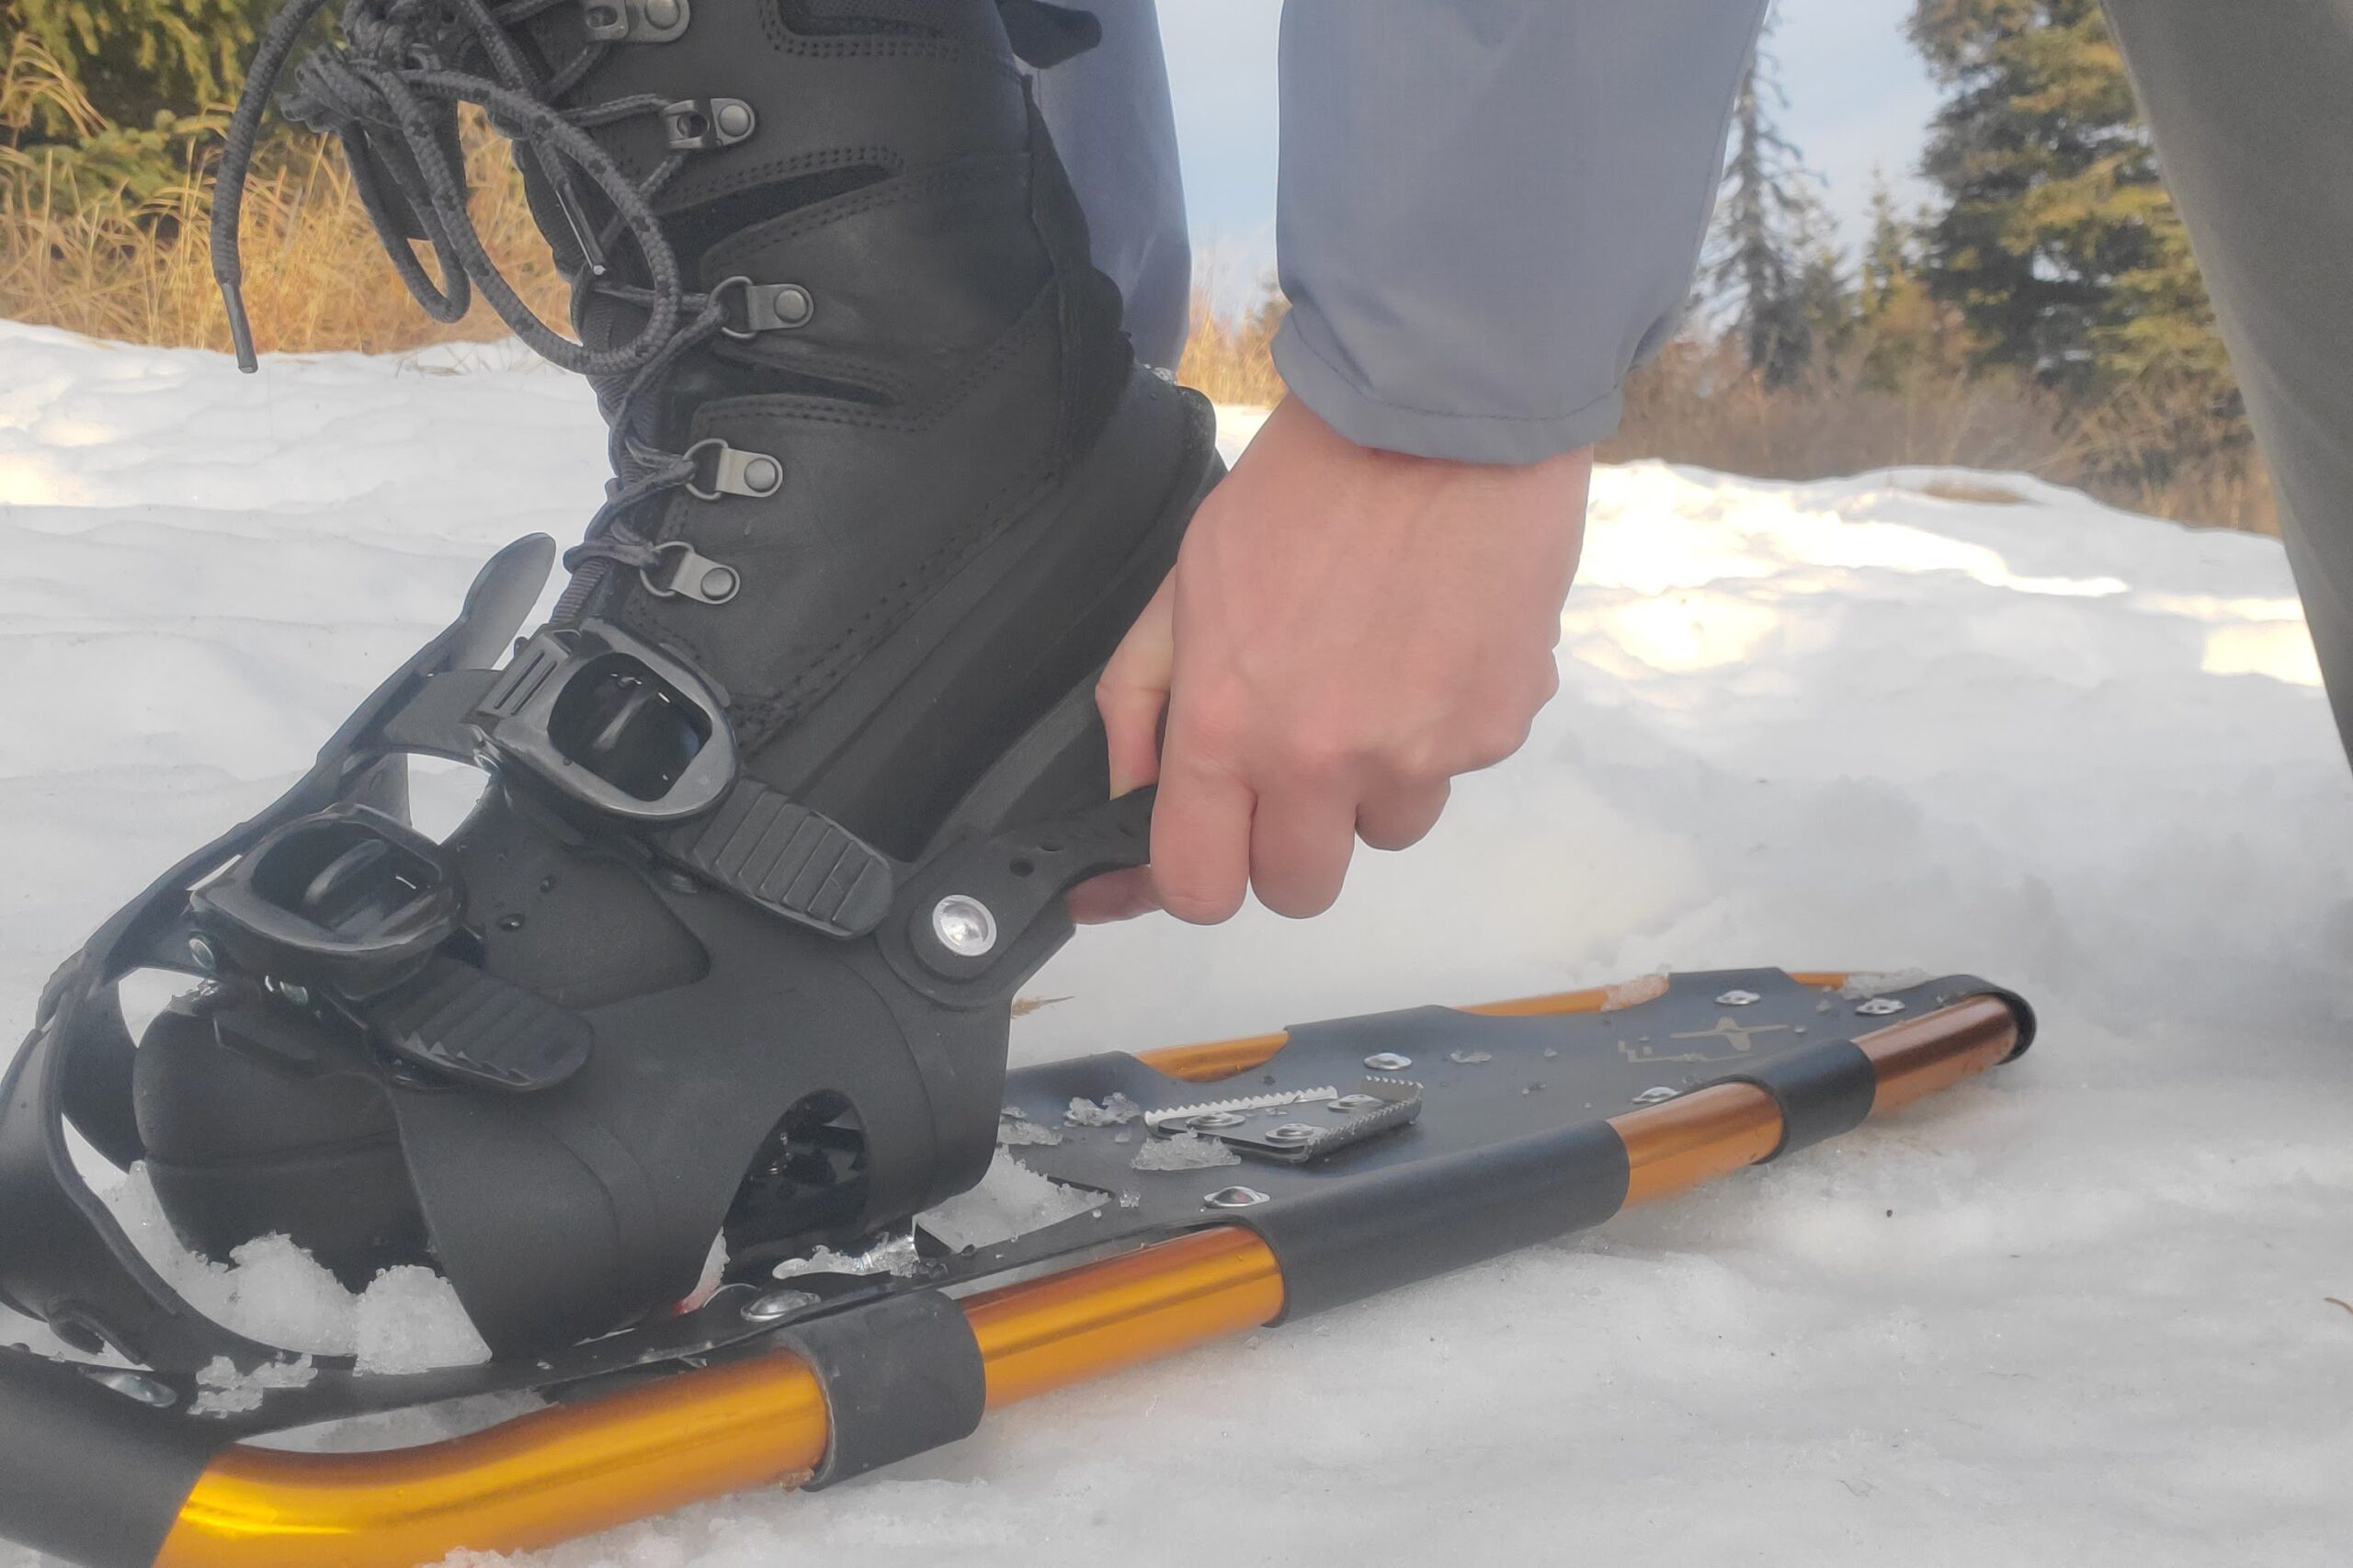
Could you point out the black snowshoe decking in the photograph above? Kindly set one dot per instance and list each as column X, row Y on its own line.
column 1371, row 1151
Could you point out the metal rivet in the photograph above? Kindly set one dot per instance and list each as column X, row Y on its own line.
column 662, row 13
column 720, row 583
column 1215, row 1120
column 963, row 926
column 137, row 1386
column 1292, row 1132
column 763, row 473
column 1656, row 1097
column 778, row 1305
column 1738, row 999
column 734, row 116
column 1236, row 1198
column 1881, row 1008
column 201, row 953
column 794, row 305
column 1388, row 1062
column 1350, row 1105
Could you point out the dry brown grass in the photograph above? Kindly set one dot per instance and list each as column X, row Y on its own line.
column 140, row 271
column 1969, row 495
column 1697, row 405
column 1231, row 358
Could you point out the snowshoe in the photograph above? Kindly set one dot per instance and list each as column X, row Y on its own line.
column 1199, row 1191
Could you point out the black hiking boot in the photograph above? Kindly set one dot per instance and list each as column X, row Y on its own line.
column 786, row 793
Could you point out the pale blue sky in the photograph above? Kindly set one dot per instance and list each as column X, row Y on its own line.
column 1859, row 98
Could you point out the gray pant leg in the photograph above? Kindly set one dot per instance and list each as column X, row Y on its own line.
column 1110, row 116
column 2251, row 102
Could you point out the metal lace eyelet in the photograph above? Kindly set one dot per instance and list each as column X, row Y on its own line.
column 703, row 125
column 691, row 575
column 768, row 307
column 734, row 472
column 635, row 21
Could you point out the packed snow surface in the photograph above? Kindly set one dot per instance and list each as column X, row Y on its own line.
column 2076, row 1313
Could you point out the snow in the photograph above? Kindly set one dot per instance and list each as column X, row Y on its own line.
column 1115, row 1111
column 1182, row 1152
column 1011, row 1201
column 1014, row 1133
column 407, row 1319
column 222, row 1390
column 2075, row 1313
column 892, row 1254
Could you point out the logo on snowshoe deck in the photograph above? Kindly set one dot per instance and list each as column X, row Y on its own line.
column 1735, row 1042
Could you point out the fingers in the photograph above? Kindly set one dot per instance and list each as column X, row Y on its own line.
column 1300, row 843
column 1200, row 832
column 1132, row 693
column 1116, row 896
column 1399, row 819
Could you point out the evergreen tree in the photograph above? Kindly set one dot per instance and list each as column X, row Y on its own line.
column 134, row 60
column 1887, row 255
column 1911, row 338
column 1825, row 302
column 1766, row 221
column 2057, row 242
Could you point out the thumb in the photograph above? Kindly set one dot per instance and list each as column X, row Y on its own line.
column 1132, row 693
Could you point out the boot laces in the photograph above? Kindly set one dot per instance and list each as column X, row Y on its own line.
column 389, row 90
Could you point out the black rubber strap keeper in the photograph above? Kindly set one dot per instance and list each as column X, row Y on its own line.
column 1823, row 1092
column 902, row 1377
column 1390, row 1227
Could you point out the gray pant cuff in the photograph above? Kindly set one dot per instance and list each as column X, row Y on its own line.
column 1369, row 421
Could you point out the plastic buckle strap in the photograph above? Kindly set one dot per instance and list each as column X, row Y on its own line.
column 346, row 899
column 470, row 1025
column 636, row 21
column 612, row 723
column 787, row 860
column 977, row 914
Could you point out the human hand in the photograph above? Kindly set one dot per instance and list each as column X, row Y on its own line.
column 1346, row 631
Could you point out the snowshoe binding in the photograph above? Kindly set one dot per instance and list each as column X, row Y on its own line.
column 789, row 788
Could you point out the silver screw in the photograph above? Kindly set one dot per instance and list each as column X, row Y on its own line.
column 1292, row 1132
column 1350, row 1105
column 1738, row 999
column 1236, row 1198
column 202, row 951
column 137, row 1386
column 1388, row 1062
column 964, row 925
column 1215, row 1120
column 1881, row 1008
column 1659, row 1095
column 778, row 1305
